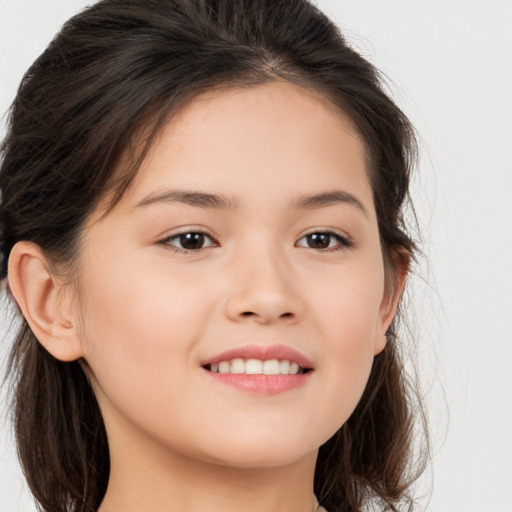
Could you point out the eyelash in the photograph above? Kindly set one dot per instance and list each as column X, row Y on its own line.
column 344, row 241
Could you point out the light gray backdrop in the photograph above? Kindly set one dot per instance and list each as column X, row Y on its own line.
column 450, row 65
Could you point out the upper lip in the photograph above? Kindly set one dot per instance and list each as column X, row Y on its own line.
column 263, row 352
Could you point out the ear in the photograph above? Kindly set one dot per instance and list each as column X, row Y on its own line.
column 40, row 297
column 395, row 285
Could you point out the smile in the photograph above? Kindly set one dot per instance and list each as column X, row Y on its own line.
column 257, row 367
column 260, row 369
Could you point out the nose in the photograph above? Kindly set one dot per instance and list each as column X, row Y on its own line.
column 264, row 290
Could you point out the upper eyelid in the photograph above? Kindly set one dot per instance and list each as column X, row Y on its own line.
column 312, row 231
column 186, row 230
column 327, row 230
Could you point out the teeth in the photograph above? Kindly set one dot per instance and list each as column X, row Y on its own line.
column 284, row 367
column 224, row 367
column 271, row 367
column 253, row 366
column 238, row 366
column 257, row 367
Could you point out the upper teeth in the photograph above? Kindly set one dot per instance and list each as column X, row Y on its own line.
column 256, row 366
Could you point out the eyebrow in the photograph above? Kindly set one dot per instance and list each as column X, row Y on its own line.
column 314, row 201
column 221, row 202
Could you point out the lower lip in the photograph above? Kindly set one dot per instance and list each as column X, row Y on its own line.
column 262, row 384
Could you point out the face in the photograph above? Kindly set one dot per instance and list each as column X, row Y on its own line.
column 250, row 233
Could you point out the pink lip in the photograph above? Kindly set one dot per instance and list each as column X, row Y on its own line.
column 263, row 352
column 262, row 384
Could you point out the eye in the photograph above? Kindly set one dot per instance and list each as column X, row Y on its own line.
column 326, row 241
column 189, row 241
column 194, row 241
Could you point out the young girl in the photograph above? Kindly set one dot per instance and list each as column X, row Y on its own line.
column 202, row 219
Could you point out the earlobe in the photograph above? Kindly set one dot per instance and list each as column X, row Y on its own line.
column 38, row 295
column 391, row 298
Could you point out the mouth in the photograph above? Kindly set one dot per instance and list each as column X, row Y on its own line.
column 252, row 366
column 260, row 369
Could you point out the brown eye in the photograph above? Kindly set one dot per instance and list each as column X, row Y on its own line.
column 319, row 240
column 190, row 241
column 325, row 241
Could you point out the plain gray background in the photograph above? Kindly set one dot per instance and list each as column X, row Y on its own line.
column 450, row 66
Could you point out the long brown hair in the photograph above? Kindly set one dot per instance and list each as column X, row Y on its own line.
column 121, row 68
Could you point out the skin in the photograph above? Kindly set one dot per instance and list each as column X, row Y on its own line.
column 149, row 315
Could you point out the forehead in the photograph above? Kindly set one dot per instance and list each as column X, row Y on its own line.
column 276, row 138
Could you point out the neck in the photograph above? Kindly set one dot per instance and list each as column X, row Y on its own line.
column 146, row 477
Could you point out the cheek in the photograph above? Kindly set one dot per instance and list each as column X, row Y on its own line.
column 136, row 324
column 138, row 341
column 350, row 310
column 350, row 316
column 134, row 299
column 141, row 326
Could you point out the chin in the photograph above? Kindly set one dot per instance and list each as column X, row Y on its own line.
column 251, row 460
column 259, row 451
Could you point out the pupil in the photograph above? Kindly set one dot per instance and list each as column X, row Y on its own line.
column 192, row 241
column 319, row 240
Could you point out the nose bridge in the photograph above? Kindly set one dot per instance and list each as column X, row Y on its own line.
column 263, row 285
